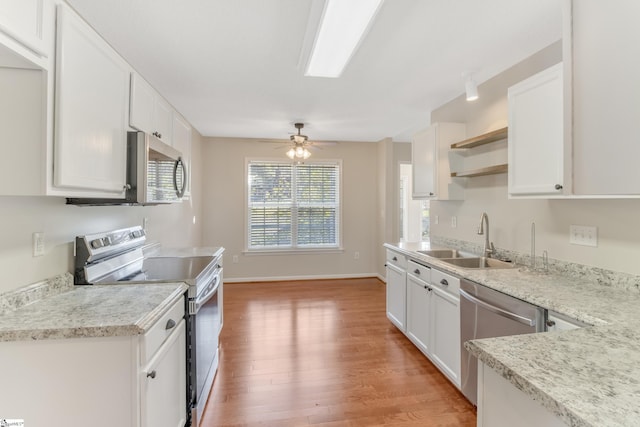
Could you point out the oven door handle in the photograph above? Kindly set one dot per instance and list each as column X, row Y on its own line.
column 208, row 293
column 497, row 310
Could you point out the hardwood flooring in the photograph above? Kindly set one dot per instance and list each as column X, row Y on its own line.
column 323, row 354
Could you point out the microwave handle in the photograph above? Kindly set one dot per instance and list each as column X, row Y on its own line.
column 180, row 191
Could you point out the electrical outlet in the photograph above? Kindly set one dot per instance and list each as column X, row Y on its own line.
column 437, row 219
column 235, row 259
column 454, row 222
column 145, row 222
column 38, row 243
column 583, row 235
column 356, row 255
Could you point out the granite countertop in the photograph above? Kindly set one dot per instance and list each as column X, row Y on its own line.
column 91, row 311
column 588, row 376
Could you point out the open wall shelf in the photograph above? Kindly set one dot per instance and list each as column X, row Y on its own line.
column 483, row 139
column 490, row 170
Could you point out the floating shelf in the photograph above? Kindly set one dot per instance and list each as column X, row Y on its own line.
column 486, row 138
column 491, row 170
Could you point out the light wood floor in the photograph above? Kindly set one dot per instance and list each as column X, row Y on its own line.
column 322, row 353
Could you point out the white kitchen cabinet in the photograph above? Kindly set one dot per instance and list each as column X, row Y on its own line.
column 149, row 112
column 182, row 142
column 29, row 22
column 605, row 70
column 92, row 90
column 445, row 308
column 429, row 157
column 98, row 381
column 396, row 289
column 501, row 404
column 539, row 154
column 419, row 306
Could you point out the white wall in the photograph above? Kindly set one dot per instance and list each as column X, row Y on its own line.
column 224, row 193
column 618, row 230
column 21, row 216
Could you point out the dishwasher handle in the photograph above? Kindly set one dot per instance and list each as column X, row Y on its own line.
column 497, row 310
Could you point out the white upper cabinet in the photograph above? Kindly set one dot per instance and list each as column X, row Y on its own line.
column 429, row 157
column 539, row 156
column 29, row 22
column 606, row 130
column 92, row 89
column 150, row 113
column 182, row 142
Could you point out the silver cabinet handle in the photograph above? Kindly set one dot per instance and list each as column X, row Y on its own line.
column 498, row 311
column 170, row 324
column 180, row 191
column 444, row 282
column 151, row 374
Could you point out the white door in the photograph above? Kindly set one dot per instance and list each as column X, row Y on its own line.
column 423, row 158
column 396, row 296
column 419, row 313
column 92, row 89
column 536, row 135
column 445, row 345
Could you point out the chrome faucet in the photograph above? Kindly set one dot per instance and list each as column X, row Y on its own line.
column 488, row 247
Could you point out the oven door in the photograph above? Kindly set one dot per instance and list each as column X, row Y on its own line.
column 207, row 329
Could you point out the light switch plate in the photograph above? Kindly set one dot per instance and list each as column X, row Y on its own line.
column 583, row 235
column 38, row 244
column 454, row 222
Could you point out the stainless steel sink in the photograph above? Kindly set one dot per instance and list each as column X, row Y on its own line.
column 480, row 262
column 447, row 253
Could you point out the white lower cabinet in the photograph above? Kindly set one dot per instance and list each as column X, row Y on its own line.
column 501, row 404
column 98, row 382
column 419, row 294
column 396, row 289
column 433, row 317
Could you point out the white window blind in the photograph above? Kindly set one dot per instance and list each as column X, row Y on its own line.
column 293, row 206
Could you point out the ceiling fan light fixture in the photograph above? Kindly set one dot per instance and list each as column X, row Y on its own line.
column 291, row 153
column 341, row 30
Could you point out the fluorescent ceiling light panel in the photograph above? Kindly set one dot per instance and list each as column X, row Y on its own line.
column 342, row 28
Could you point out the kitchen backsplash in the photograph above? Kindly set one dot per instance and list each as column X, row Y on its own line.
column 593, row 274
column 22, row 296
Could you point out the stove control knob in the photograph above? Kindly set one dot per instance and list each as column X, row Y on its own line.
column 97, row 243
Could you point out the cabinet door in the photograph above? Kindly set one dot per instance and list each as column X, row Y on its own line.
column 92, row 89
column 419, row 313
column 24, row 20
column 150, row 113
column 606, row 129
column 537, row 159
column 445, row 344
column 182, row 142
column 396, row 296
column 164, row 384
column 423, row 158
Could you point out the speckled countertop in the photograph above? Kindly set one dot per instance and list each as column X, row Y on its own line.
column 588, row 376
column 91, row 311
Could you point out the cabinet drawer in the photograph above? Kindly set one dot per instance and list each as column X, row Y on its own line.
column 396, row 259
column 420, row 271
column 153, row 339
column 445, row 281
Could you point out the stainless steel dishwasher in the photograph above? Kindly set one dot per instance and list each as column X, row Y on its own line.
column 486, row 313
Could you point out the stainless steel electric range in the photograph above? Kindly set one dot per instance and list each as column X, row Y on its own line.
column 123, row 256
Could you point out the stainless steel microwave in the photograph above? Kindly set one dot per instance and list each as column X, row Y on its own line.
column 156, row 174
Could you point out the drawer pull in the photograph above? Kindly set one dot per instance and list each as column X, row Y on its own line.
column 151, row 374
column 395, row 258
column 417, row 271
column 170, row 324
column 444, row 282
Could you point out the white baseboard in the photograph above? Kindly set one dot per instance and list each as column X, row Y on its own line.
column 287, row 278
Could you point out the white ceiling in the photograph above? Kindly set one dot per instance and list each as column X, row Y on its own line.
column 234, row 68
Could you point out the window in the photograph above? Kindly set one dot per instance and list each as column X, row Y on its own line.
column 293, row 206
